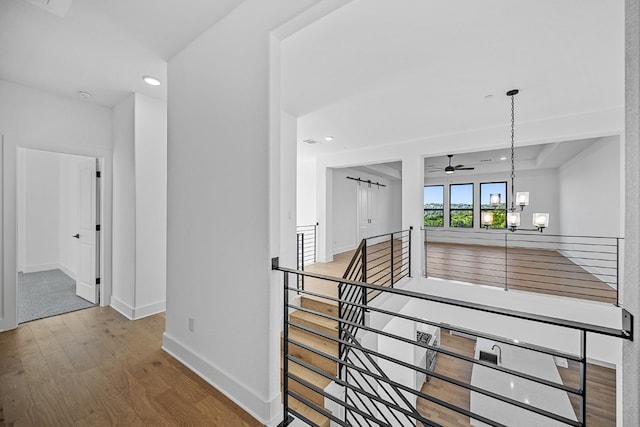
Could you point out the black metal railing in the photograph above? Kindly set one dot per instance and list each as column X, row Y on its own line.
column 380, row 371
column 305, row 248
column 585, row 267
column 381, row 260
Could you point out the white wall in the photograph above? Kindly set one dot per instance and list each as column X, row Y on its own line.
column 306, row 191
column 345, row 207
column 139, row 222
column 589, row 187
column 34, row 119
column 219, row 241
column 150, row 205
column 542, row 185
column 41, row 215
column 124, row 231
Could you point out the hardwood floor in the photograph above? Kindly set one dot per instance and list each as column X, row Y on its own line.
column 96, row 368
column 601, row 387
column 532, row 270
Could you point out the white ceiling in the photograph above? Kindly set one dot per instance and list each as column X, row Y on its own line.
column 541, row 156
column 100, row 46
column 379, row 71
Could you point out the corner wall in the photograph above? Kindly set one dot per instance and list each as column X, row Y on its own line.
column 222, row 118
column 34, row 119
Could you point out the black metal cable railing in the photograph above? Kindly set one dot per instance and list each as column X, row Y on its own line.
column 306, row 237
column 372, row 379
column 585, row 267
column 381, row 260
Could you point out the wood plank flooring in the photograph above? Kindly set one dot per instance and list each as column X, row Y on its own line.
column 96, row 368
column 532, row 270
column 601, row 387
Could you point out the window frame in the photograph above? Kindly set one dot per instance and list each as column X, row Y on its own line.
column 494, row 209
column 429, row 209
column 471, row 209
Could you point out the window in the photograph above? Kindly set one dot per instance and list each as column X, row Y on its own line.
column 434, row 206
column 461, row 205
column 499, row 191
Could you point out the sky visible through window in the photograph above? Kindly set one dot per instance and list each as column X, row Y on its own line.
column 461, row 194
column 487, row 189
column 434, row 195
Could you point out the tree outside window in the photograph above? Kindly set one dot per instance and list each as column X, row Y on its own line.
column 461, row 205
column 499, row 211
column 434, row 206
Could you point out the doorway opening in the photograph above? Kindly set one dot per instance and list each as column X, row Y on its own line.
column 58, row 233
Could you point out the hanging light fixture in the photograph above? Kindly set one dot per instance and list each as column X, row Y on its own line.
column 521, row 199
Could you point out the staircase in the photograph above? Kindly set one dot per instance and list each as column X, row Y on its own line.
column 324, row 326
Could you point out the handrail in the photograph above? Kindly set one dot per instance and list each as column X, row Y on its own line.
column 386, row 234
column 367, row 389
column 507, row 231
column 627, row 318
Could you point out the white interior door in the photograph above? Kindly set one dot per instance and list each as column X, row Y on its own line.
column 86, row 286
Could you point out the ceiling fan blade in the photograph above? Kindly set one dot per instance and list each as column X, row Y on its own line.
column 464, row 169
column 458, row 166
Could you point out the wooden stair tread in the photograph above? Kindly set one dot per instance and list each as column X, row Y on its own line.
column 314, row 321
column 309, row 413
column 308, row 375
column 321, row 344
column 319, row 304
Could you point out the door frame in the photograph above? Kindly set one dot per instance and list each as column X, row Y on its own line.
column 9, row 247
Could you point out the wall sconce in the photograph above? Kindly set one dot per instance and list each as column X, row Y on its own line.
column 541, row 220
column 487, row 219
column 494, row 199
column 522, row 199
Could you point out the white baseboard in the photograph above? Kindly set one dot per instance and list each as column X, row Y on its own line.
column 132, row 313
column 346, row 248
column 66, row 270
column 125, row 309
column 40, row 267
column 149, row 310
column 267, row 412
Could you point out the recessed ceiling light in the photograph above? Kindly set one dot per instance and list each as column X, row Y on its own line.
column 84, row 94
column 328, row 138
column 150, row 80
column 503, row 158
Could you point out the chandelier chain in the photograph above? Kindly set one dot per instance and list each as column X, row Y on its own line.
column 513, row 173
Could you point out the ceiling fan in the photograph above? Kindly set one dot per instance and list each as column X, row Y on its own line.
column 451, row 169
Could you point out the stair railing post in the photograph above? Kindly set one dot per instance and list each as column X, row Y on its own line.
column 617, row 272
column 364, row 262
column 410, row 232
column 392, row 259
column 341, row 333
column 506, row 264
column 286, row 420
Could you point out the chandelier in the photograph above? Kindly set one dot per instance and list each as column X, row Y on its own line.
column 520, row 198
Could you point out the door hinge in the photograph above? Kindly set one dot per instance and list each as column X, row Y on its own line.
column 97, row 281
column 97, row 227
column 98, row 174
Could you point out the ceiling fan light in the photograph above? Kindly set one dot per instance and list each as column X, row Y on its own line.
column 449, row 170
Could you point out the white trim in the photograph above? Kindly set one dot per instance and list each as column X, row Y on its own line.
column 121, row 307
column 40, row 267
column 266, row 412
column 149, row 309
column 66, row 270
column 133, row 313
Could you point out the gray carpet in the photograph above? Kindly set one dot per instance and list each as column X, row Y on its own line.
column 47, row 293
